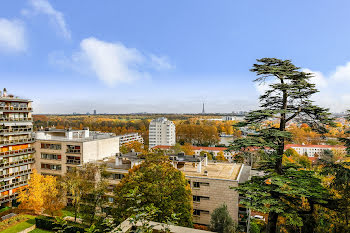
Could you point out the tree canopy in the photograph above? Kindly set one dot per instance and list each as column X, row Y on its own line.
column 156, row 182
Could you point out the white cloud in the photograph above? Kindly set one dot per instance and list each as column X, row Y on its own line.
column 318, row 78
column 112, row 63
column 56, row 17
column 342, row 73
column 161, row 62
column 12, row 35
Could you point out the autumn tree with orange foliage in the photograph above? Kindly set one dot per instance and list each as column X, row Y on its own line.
column 41, row 195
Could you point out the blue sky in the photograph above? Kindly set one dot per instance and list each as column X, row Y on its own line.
column 167, row 56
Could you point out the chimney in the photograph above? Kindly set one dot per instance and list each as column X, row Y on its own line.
column 205, row 160
column 199, row 167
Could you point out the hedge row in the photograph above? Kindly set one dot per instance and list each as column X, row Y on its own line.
column 48, row 223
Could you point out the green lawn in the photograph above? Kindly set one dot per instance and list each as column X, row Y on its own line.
column 37, row 230
column 20, row 226
column 68, row 212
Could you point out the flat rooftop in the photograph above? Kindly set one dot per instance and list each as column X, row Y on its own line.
column 71, row 135
column 228, row 171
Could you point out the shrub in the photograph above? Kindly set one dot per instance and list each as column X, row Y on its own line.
column 48, row 223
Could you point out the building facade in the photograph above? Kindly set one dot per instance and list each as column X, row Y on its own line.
column 132, row 137
column 16, row 146
column 314, row 150
column 161, row 132
column 57, row 151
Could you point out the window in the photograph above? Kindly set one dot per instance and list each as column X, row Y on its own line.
column 118, row 176
column 51, row 167
column 199, row 198
column 110, row 199
column 50, row 156
column 50, row 146
column 196, row 212
column 73, row 149
column 73, row 160
column 198, row 184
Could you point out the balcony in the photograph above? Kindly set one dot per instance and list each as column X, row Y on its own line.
column 19, row 173
column 15, row 131
column 12, row 119
column 8, row 198
column 8, row 164
column 72, row 151
column 17, row 141
column 15, row 109
column 17, row 152
column 13, row 186
column 73, row 161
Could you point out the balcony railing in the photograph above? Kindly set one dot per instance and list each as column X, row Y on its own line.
column 7, row 198
column 15, row 173
column 17, row 152
column 14, row 185
column 17, row 141
column 71, row 151
column 16, row 131
column 13, row 119
column 12, row 108
column 72, row 161
column 7, row 164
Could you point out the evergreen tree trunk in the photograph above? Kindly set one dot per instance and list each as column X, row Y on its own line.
column 271, row 224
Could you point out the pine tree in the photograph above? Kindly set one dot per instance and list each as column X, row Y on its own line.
column 284, row 191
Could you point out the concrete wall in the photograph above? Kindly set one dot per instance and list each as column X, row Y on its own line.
column 99, row 149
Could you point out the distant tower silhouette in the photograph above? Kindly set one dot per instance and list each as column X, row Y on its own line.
column 203, row 111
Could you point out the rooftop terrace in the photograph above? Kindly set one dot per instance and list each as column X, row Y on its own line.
column 227, row 171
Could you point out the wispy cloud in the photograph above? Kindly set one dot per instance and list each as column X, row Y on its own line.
column 56, row 17
column 112, row 63
column 12, row 35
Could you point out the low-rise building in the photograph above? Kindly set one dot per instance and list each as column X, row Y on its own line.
column 210, row 183
column 314, row 150
column 58, row 150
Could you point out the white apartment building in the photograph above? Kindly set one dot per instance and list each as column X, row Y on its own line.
column 161, row 132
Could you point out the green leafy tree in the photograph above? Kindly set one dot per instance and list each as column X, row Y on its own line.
column 284, row 191
column 156, row 182
column 221, row 221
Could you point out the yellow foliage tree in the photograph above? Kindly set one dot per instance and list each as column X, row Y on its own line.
column 221, row 156
column 32, row 196
column 187, row 149
column 41, row 194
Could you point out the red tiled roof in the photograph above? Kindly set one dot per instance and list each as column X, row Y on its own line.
column 314, row 146
column 194, row 148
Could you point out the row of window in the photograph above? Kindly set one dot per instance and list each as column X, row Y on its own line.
column 70, row 148
column 51, row 167
column 51, row 146
column 50, row 156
